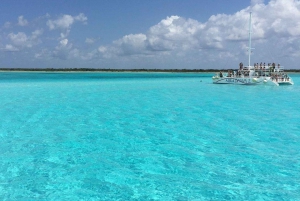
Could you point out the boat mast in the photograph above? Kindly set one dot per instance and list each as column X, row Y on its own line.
column 249, row 48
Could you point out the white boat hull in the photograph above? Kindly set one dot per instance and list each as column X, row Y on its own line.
column 286, row 82
column 251, row 81
column 242, row 81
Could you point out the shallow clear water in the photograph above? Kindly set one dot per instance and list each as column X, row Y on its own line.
column 146, row 136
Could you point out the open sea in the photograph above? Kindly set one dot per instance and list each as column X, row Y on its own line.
column 146, row 136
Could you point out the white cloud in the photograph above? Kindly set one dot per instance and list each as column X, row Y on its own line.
column 21, row 40
column 102, row 49
column 90, row 40
column 132, row 44
column 177, row 36
column 37, row 33
column 64, row 35
column 62, row 51
column 65, row 50
column 65, row 21
column 254, row 2
column 172, row 34
column 276, row 31
column 44, row 53
column 10, row 48
column 22, row 21
column 64, row 42
column 91, row 55
column 81, row 17
column 283, row 18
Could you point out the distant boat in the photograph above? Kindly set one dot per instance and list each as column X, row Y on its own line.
column 268, row 74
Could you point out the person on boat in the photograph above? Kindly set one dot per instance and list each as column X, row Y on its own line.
column 241, row 66
column 273, row 67
column 221, row 75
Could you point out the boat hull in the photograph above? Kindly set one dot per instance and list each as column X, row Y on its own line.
column 240, row 81
column 251, row 81
column 286, row 83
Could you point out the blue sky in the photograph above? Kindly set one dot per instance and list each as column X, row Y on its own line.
column 182, row 34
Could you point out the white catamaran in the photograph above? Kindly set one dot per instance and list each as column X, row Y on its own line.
column 270, row 74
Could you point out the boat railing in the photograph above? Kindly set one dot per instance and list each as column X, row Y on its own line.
column 263, row 68
column 279, row 69
column 247, row 67
column 268, row 69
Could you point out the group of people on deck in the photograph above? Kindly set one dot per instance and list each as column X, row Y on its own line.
column 232, row 73
column 263, row 66
column 280, row 77
column 246, row 72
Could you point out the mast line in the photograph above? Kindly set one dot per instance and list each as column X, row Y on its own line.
column 250, row 30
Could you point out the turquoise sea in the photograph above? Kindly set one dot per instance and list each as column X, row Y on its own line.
column 146, row 136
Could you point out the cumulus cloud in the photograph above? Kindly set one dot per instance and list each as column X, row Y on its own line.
column 275, row 28
column 65, row 51
column 10, row 48
column 62, row 51
column 177, row 35
column 21, row 40
column 132, row 44
column 65, row 21
column 22, row 21
column 42, row 54
column 81, row 17
column 64, row 42
column 36, row 34
column 255, row 2
column 171, row 34
column 89, row 56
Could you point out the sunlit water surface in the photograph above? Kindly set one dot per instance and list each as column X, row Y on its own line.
column 147, row 136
